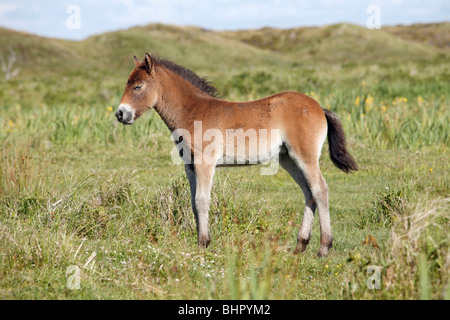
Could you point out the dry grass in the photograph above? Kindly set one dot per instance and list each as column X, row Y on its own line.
column 424, row 232
column 416, row 262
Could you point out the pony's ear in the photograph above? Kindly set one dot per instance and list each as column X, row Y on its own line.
column 136, row 62
column 148, row 63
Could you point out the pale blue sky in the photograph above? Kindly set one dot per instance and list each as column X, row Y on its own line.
column 49, row 18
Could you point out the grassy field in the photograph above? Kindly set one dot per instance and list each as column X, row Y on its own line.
column 77, row 189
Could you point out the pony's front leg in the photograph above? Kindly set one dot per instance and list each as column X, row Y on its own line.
column 203, row 179
column 190, row 172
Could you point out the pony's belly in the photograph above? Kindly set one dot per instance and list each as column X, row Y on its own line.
column 251, row 156
column 244, row 161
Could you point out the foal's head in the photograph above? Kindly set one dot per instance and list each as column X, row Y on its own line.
column 141, row 92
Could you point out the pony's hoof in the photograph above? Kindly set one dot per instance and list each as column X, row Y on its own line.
column 325, row 245
column 203, row 242
column 301, row 245
column 322, row 253
column 324, row 249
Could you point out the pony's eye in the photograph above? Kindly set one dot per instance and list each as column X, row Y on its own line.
column 138, row 87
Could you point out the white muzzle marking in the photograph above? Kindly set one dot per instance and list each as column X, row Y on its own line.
column 125, row 114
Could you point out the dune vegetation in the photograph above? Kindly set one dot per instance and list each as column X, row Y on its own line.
column 78, row 189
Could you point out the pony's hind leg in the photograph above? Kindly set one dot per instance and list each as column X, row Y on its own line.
column 319, row 190
column 310, row 206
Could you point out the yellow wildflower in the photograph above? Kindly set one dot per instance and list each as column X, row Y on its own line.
column 11, row 123
column 383, row 108
column 399, row 101
column 109, row 108
column 357, row 101
column 369, row 101
column 313, row 95
column 419, row 100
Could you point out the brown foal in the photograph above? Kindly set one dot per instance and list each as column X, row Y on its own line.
column 290, row 127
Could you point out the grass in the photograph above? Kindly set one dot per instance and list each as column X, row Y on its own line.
column 78, row 190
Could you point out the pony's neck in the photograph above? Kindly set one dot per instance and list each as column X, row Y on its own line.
column 177, row 99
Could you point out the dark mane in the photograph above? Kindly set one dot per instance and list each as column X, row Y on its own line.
column 201, row 83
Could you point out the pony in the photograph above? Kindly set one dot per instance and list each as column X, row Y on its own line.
column 213, row 132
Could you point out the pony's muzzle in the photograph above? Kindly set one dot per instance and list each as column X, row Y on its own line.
column 119, row 115
column 125, row 114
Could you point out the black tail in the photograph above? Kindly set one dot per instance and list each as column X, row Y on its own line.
column 336, row 140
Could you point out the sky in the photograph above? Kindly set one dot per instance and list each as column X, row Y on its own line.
column 76, row 20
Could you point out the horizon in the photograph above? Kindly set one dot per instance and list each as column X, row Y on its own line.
column 78, row 20
column 212, row 30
